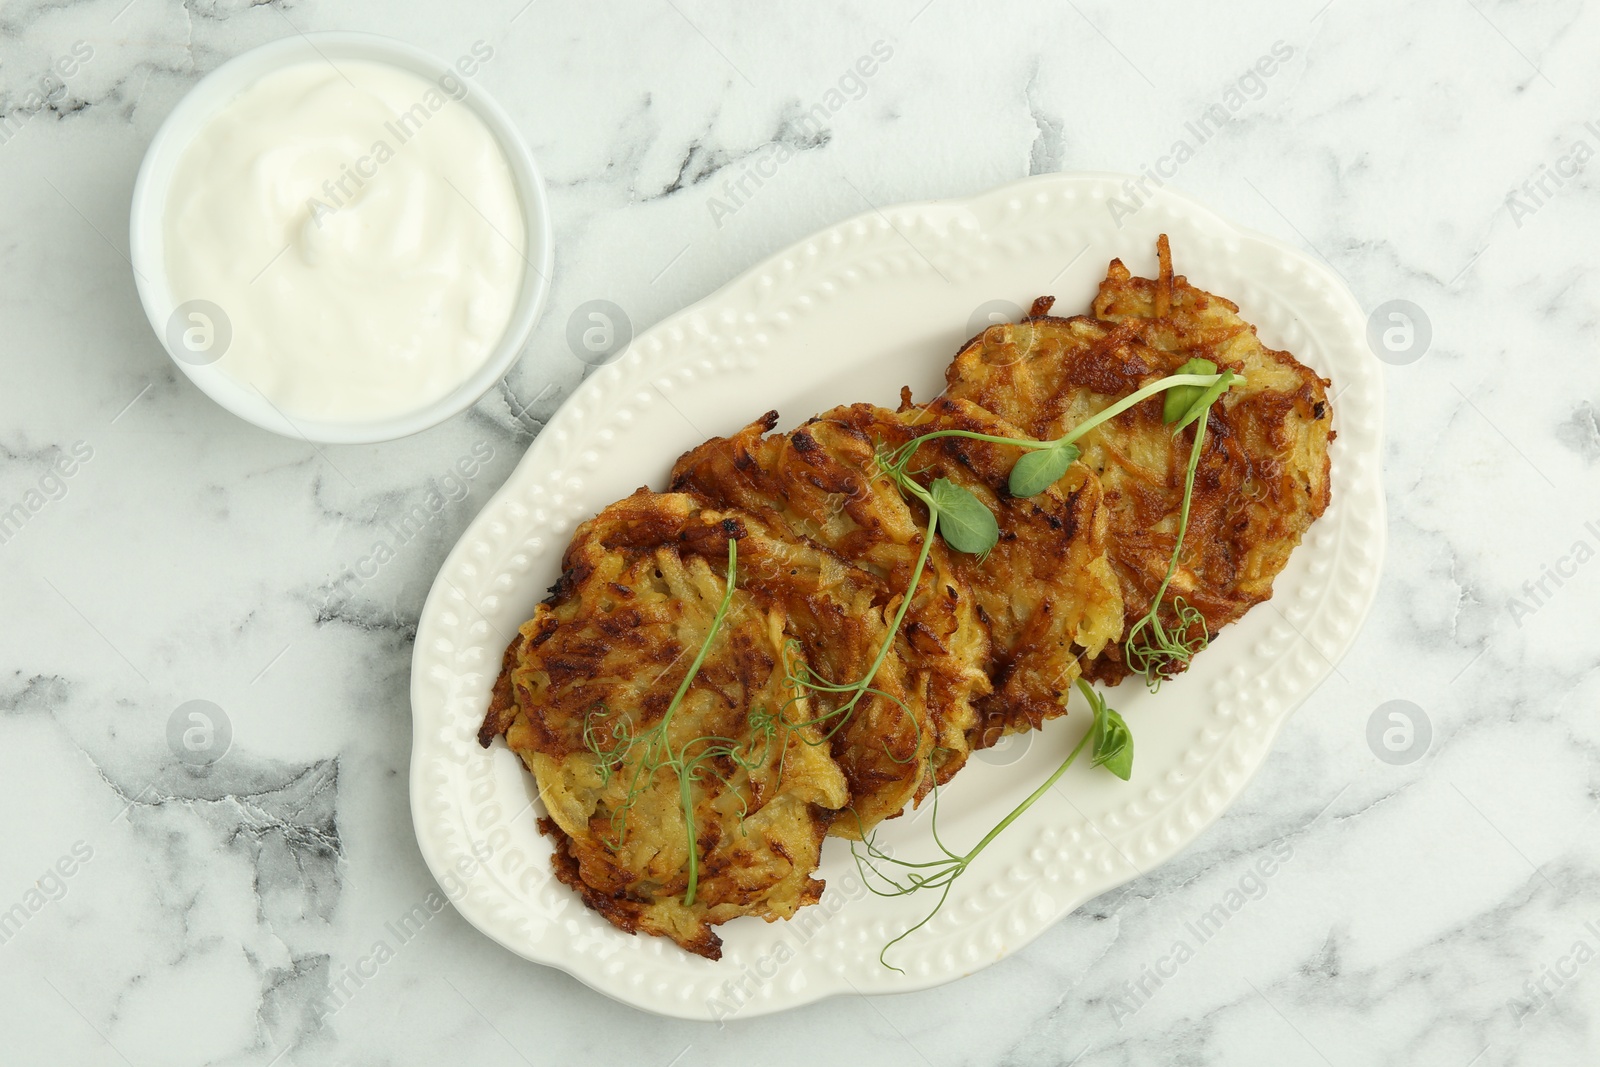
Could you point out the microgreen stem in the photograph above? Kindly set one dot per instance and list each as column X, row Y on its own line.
column 711, row 634
column 903, row 454
column 1188, row 499
column 941, row 873
column 1032, row 798
column 900, row 613
column 1139, row 396
column 685, row 791
column 1149, row 649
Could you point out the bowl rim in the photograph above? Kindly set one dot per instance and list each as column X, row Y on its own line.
column 203, row 101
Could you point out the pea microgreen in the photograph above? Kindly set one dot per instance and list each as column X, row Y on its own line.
column 1181, row 398
column 888, row 876
column 1151, row 649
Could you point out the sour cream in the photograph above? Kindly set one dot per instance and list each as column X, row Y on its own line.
column 358, row 229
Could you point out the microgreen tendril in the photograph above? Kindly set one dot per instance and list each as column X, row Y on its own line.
column 888, row 876
column 1150, row 648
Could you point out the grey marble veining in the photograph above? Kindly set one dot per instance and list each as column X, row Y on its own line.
column 160, row 909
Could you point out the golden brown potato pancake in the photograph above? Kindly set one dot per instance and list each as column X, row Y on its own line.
column 591, row 679
column 819, row 485
column 1263, row 473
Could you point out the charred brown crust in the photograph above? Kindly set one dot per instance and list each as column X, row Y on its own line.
column 617, row 907
column 502, row 701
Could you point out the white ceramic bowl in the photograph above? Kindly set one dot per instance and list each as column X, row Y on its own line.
column 148, row 237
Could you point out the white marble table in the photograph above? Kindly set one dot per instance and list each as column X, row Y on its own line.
column 1443, row 911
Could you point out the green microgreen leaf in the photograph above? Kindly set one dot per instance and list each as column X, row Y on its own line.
column 1203, row 402
column 967, row 525
column 1039, row 470
column 1113, row 743
column 1180, row 399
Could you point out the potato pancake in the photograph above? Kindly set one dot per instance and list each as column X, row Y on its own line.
column 1045, row 593
column 1263, row 472
column 819, row 485
column 585, row 701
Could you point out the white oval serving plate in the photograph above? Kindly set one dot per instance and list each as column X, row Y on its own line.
column 851, row 314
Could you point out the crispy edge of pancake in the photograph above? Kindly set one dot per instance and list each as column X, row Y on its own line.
column 502, row 697
column 1275, row 426
column 761, row 866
